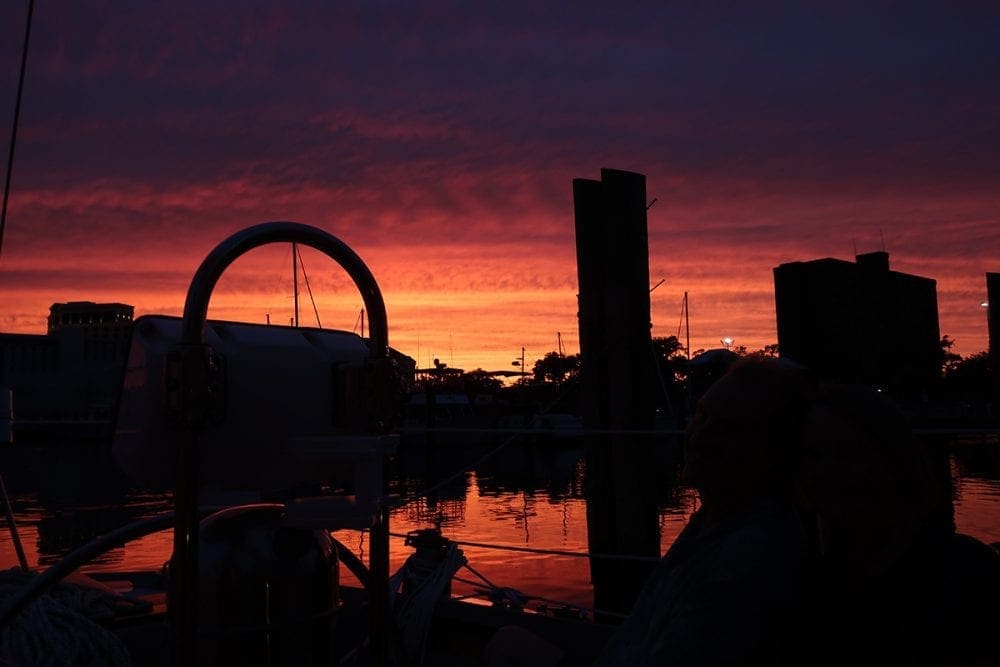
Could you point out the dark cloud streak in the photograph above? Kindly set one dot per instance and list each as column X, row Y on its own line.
column 787, row 94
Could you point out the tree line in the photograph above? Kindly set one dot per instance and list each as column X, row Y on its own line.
column 964, row 378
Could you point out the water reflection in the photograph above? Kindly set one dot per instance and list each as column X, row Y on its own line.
column 532, row 495
column 975, row 469
column 977, row 457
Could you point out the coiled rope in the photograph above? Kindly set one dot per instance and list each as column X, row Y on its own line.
column 416, row 591
column 62, row 627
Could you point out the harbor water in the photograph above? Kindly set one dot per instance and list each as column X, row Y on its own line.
column 531, row 496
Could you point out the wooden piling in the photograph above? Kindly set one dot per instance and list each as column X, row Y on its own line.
column 616, row 376
column 993, row 333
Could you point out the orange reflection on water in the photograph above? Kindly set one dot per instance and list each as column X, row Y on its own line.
column 481, row 511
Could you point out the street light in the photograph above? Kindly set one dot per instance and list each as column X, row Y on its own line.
column 727, row 342
column 519, row 362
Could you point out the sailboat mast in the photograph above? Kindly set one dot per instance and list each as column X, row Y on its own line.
column 17, row 115
column 687, row 325
column 295, row 281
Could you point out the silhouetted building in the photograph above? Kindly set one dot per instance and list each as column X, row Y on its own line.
column 65, row 383
column 860, row 322
column 99, row 319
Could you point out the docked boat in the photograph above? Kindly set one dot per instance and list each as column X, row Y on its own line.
column 251, row 426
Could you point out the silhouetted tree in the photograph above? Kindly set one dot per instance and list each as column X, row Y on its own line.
column 969, row 378
column 769, row 351
column 667, row 347
column 440, row 378
column 672, row 370
column 668, row 352
column 949, row 360
column 766, row 352
column 556, row 368
column 481, row 382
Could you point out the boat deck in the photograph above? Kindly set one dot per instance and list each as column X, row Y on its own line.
column 458, row 636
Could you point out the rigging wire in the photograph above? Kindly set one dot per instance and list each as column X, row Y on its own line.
column 308, row 288
column 17, row 115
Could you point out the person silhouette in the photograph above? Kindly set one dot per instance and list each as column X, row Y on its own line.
column 728, row 590
column 894, row 582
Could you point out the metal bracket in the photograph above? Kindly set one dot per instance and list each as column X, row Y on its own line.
column 366, row 394
column 195, row 386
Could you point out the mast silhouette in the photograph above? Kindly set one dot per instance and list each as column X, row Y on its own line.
column 687, row 326
column 13, row 130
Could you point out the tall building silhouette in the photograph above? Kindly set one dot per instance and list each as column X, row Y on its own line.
column 860, row 322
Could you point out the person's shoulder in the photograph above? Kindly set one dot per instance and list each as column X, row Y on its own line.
column 768, row 525
column 967, row 550
column 971, row 599
column 767, row 538
column 972, row 575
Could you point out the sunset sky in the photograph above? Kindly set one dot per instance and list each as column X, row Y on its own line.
column 440, row 140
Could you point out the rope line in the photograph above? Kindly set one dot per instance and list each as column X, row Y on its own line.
column 415, row 593
column 579, row 432
column 548, row 552
column 480, row 575
column 492, row 592
column 956, row 431
column 541, row 432
column 467, row 582
column 64, row 626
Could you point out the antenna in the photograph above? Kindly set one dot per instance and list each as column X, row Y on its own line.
column 650, row 205
column 855, row 244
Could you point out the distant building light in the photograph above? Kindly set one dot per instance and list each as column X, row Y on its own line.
column 985, row 304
